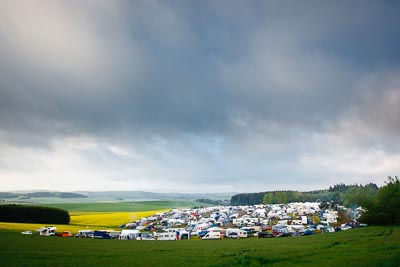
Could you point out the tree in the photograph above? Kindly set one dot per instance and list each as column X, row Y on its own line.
column 385, row 210
column 33, row 214
column 281, row 197
column 268, row 198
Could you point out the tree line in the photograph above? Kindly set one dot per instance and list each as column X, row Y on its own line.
column 7, row 195
column 33, row 214
column 340, row 194
column 382, row 204
column 213, row 202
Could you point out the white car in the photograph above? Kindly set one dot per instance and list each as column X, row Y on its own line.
column 212, row 235
column 27, row 233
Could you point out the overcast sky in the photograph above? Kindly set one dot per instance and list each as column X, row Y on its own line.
column 198, row 96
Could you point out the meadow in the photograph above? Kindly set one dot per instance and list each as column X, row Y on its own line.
column 85, row 220
column 371, row 246
column 101, row 215
column 122, row 206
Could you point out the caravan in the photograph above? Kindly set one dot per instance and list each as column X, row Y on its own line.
column 166, row 236
column 241, row 233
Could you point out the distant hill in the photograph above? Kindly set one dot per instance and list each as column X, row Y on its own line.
column 142, row 195
column 8, row 195
column 102, row 196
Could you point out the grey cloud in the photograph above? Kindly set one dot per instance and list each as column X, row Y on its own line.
column 232, row 89
column 171, row 79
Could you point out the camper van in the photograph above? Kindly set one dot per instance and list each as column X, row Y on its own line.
column 84, row 234
column 47, row 230
column 212, row 235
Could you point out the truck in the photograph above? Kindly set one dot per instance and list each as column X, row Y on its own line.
column 102, row 234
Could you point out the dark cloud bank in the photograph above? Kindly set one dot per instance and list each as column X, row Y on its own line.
column 181, row 95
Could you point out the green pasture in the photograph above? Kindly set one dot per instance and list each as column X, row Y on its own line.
column 123, row 206
column 371, row 246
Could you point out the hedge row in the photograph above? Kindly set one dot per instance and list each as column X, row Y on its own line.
column 33, row 214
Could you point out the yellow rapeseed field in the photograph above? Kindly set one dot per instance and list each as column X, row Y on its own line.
column 109, row 219
column 85, row 220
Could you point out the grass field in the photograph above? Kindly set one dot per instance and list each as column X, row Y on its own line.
column 123, row 206
column 371, row 246
column 85, row 220
column 103, row 215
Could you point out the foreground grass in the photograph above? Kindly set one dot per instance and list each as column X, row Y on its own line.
column 372, row 246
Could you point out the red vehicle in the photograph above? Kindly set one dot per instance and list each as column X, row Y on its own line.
column 66, row 234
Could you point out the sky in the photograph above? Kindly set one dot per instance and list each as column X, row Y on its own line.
column 198, row 96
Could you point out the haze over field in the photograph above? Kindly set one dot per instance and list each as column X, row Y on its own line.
column 198, row 96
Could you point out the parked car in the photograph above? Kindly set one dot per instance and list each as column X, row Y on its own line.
column 233, row 235
column 66, row 234
column 283, row 235
column 308, row 232
column 27, row 232
column 202, row 233
column 150, row 228
column 265, row 235
column 148, row 237
column 267, row 228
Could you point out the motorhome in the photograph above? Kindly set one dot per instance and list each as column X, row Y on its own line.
column 219, row 230
column 47, row 230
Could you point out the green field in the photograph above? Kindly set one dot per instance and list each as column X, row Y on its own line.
column 371, row 246
column 123, row 206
